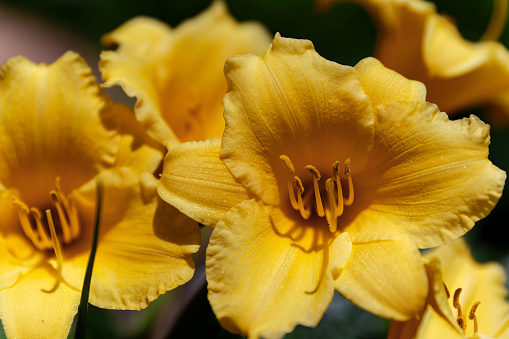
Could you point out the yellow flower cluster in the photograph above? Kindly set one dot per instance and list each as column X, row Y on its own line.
column 315, row 177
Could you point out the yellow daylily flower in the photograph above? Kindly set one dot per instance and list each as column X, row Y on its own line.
column 177, row 74
column 327, row 177
column 417, row 42
column 466, row 299
column 59, row 134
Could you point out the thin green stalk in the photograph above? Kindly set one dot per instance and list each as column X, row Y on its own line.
column 83, row 307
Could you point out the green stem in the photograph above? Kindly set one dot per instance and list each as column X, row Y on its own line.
column 83, row 307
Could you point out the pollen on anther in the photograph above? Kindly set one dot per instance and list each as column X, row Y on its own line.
column 314, row 171
column 299, row 184
column 335, row 170
column 347, row 167
column 288, row 163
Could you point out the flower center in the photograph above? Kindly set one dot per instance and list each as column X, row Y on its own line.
column 332, row 190
column 44, row 233
column 461, row 319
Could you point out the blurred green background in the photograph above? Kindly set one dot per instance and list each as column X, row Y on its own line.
column 345, row 34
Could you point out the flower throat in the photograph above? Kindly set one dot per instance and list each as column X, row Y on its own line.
column 334, row 208
column 43, row 231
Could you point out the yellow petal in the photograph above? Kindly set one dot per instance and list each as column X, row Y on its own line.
column 428, row 177
column 423, row 45
column 137, row 150
column 292, row 102
column 382, row 84
column 479, row 282
column 196, row 181
column 259, row 283
column 32, row 309
column 456, row 67
column 144, row 248
column 179, row 91
column 434, row 326
column 387, row 278
column 17, row 253
column 54, row 121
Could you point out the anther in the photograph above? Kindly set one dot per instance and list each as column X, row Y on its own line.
column 300, row 187
column 291, row 170
column 335, row 171
column 348, row 176
column 333, row 211
column 43, row 235
column 318, row 198
column 288, row 163
column 472, row 316
column 456, row 303
column 37, row 228
column 334, row 207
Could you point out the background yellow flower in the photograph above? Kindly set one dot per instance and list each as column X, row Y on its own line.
column 177, row 74
column 59, row 134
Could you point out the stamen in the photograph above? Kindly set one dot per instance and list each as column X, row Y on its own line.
column 26, row 225
column 43, row 235
column 348, row 176
column 291, row 171
column 318, row 198
column 36, row 228
column 332, row 209
column 456, row 303
column 447, row 291
column 288, row 164
column 472, row 316
column 335, row 171
column 54, row 240
column 333, row 217
column 303, row 212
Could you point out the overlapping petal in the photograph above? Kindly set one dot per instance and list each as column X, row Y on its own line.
column 386, row 277
column 427, row 177
column 68, row 113
column 484, row 282
column 277, row 285
column 59, row 133
column 457, row 281
column 147, row 243
column 196, row 181
column 383, row 85
column 37, row 307
column 422, row 45
column 292, row 102
column 178, row 91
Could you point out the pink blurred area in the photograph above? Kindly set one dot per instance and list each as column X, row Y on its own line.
column 39, row 40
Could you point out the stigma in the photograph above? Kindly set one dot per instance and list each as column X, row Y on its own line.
column 329, row 198
column 40, row 227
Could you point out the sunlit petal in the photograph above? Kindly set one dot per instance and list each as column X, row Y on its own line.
column 428, row 177
column 147, row 243
column 385, row 277
column 259, row 283
column 292, row 102
column 34, row 308
column 194, row 179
